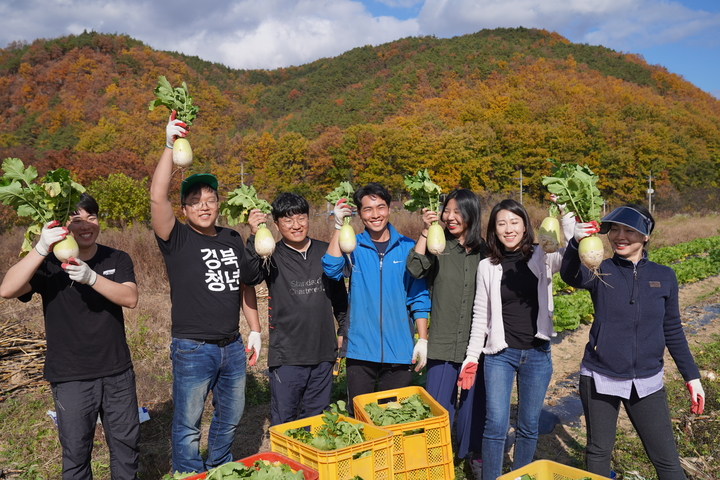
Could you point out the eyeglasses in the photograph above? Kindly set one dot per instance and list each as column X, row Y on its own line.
column 288, row 222
column 199, row 205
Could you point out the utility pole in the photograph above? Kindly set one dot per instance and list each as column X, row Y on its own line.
column 521, row 185
column 650, row 192
column 242, row 173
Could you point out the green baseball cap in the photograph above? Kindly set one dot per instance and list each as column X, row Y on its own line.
column 206, row 178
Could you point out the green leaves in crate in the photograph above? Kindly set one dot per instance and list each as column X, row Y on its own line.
column 412, row 409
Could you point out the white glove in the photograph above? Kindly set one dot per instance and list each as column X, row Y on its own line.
column 583, row 230
column 254, row 345
column 174, row 129
column 80, row 272
column 341, row 211
column 420, row 353
column 697, row 396
column 50, row 234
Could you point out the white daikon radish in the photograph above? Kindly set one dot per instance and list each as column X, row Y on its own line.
column 591, row 252
column 182, row 153
column 65, row 249
column 264, row 242
column 549, row 235
column 436, row 239
column 347, row 237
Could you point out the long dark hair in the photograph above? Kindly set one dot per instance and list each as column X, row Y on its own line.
column 469, row 206
column 495, row 247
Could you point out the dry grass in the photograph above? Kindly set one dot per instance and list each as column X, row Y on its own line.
column 27, row 436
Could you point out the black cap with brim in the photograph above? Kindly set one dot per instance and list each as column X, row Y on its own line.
column 206, row 178
column 630, row 218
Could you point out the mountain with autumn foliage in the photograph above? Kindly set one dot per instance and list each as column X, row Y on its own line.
column 475, row 110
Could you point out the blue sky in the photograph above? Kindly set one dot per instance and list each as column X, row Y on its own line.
column 681, row 35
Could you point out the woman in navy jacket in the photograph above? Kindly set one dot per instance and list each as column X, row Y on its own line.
column 636, row 317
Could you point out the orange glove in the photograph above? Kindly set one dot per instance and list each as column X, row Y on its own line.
column 467, row 373
column 697, row 396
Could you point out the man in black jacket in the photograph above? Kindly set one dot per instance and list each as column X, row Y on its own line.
column 302, row 301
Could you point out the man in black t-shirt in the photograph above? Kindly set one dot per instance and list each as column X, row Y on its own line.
column 88, row 361
column 207, row 351
column 302, row 302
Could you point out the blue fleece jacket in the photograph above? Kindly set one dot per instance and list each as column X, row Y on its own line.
column 384, row 299
column 636, row 316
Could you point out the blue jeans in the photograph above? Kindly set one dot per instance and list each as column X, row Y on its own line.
column 198, row 368
column 533, row 368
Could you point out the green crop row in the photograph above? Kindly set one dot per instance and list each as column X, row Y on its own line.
column 575, row 306
column 668, row 255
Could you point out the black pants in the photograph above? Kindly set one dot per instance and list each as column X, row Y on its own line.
column 308, row 387
column 78, row 405
column 362, row 377
column 649, row 415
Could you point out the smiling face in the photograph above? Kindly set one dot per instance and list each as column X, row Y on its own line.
column 201, row 210
column 294, row 229
column 375, row 214
column 85, row 228
column 453, row 220
column 626, row 242
column 509, row 229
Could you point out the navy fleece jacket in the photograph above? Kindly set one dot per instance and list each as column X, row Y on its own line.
column 636, row 316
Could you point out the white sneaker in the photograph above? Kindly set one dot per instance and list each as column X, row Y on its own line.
column 476, row 468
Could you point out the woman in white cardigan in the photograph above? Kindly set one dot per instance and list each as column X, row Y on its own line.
column 512, row 325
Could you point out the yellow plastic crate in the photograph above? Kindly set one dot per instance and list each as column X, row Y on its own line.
column 426, row 455
column 338, row 464
column 549, row 470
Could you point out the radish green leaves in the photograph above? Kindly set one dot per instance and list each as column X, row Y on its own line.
column 54, row 198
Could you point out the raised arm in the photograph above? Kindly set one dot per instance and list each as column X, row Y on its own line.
column 250, row 265
column 17, row 279
column 340, row 211
column 418, row 262
column 163, row 217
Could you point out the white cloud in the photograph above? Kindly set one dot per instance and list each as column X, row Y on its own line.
column 400, row 3
column 240, row 34
column 276, row 33
column 627, row 25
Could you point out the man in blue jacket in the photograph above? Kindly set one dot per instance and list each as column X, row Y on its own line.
column 386, row 303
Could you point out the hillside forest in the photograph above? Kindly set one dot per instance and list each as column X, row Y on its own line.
column 476, row 110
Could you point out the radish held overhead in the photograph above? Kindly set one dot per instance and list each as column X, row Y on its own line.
column 346, row 235
column 240, row 202
column 549, row 235
column 177, row 99
column 426, row 194
column 182, row 153
column 575, row 186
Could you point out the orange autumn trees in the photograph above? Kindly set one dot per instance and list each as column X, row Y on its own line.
column 474, row 110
